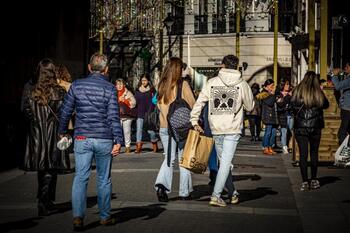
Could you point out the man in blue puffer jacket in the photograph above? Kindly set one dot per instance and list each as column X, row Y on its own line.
column 98, row 135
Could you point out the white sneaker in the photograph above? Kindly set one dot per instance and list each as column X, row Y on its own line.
column 234, row 199
column 285, row 149
column 217, row 201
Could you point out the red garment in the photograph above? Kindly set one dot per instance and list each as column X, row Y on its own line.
column 121, row 93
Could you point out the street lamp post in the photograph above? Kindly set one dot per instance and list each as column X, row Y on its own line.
column 168, row 22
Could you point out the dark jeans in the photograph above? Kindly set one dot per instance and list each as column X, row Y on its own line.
column 304, row 141
column 254, row 126
column 344, row 128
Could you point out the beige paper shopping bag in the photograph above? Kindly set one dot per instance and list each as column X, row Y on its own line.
column 196, row 153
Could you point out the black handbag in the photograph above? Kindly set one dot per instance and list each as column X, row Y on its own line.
column 151, row 120
column 126, row 111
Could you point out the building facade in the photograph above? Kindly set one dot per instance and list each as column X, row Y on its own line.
column 210, row 34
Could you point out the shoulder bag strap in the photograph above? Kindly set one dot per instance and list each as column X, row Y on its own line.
column 53, row 112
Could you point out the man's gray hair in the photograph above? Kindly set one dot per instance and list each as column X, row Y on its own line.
column 98, row 63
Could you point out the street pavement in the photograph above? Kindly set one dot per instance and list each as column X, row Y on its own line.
column 270, row 200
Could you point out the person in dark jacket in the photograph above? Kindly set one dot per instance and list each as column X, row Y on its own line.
column 41, row 104
column 97, row 135
column 308, row 102
column 283, row 98
column 269, row 115
column 143, row 96
column 254, row 116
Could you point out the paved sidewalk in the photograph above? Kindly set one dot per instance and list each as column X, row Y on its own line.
column 270, row 200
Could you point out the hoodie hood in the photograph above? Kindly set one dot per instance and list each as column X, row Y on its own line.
column 230, row 77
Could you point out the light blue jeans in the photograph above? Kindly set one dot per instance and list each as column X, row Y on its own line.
column 226, row 144
column 165, row 175
column 139, row 129
column 284, row 132
column 84, row 152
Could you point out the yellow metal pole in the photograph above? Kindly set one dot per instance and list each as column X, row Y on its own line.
column 101, row 41
column 275, row 43
column 324, row 39
column 311, row 29
column 101, row 30
column 238, row 26
column 161, row 36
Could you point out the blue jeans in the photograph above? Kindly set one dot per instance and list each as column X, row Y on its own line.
column 213, row 161
column 290, row 122
column 84, row 152
column 165, row 174
column 284, row 132
column 269, row 136
column 139, row 130
column 226, row 147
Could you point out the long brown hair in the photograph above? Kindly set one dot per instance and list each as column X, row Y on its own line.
column 171, row 74
column 63, row 73
column 309, row 92
column 47, row 82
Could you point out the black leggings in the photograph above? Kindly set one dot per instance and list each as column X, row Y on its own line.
column 254, row 125
column 312, row 139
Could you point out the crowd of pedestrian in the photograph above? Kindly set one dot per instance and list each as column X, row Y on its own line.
column 100, row 115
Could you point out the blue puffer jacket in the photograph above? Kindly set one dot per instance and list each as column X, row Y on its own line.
column 94, row 100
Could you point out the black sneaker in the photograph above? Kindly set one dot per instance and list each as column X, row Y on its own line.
column 315, row 184
column 78, row 224
column 161, row 193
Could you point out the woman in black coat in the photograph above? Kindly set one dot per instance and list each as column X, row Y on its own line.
column 308, row 102
column 268, row 115
column 41, row 107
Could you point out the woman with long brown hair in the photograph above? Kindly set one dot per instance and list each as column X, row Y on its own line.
column 308, row 102
column 167, row 89
column 42, row 107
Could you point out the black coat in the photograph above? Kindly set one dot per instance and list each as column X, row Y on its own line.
column 41, row 151
column 269, row 108
column 283, row 107
column 308, row 120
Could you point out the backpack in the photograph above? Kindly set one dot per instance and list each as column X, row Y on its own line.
column 178, row 117
column 179, row 124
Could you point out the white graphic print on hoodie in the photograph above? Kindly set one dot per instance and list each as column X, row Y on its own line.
column 228, row 94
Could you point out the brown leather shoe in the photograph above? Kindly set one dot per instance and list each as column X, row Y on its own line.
column 272, row 151
column 127, row 149
column 154, row 147
column 108, row 222
column 78, row 224
column 266, row 151
column 138, row 148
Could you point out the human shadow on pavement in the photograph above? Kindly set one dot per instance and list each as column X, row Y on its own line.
column 253, row 194
column 125, row 214
column 328, row 180
column 67, row 206
column 19, row 225
column 252, row 177
column 200, row 191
